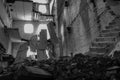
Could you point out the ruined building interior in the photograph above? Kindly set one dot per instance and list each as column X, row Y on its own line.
column 60, row 39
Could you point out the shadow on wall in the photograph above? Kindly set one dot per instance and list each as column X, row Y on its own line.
column 113, row 2
column 4, row 39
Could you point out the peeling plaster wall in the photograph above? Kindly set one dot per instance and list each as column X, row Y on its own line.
column 60, row 9
column 4, row 15
column 72, row 11
column 94, row 26
column 80, row 16
column 4, row 39
column 85, row 21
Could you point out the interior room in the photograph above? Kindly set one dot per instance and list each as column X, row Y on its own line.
column 60, row 39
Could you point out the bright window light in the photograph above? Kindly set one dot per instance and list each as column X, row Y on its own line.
column 28, row 28
column 43, row 26
column 41, row 1
column 30, row 53
column 47, row 53
column 42, row 9
column 51, row 5
column 62, row 32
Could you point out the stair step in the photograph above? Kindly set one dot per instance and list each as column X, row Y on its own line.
column 116, row 22
column 94, row 54
column 110, row 30
column 99, row 50
column 111, row 34
column 100, row 45
column 105, row 39
column 112, row 27
column 112, row 23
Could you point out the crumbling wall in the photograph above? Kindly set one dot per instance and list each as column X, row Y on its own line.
column 103, row 13
column 81, row 20
column 93, row 22
column 4, row 20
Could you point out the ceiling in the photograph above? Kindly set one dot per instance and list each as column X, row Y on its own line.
column 22, row 10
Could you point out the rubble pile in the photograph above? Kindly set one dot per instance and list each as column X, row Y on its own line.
column 79, row 67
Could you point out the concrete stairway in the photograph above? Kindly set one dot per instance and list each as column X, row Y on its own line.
column 106, row 40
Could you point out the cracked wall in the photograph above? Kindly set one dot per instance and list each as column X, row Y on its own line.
column 82, row 20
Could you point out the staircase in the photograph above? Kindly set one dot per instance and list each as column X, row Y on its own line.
column 106, row 40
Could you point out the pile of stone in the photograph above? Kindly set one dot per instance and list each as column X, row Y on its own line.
column 79, row 67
